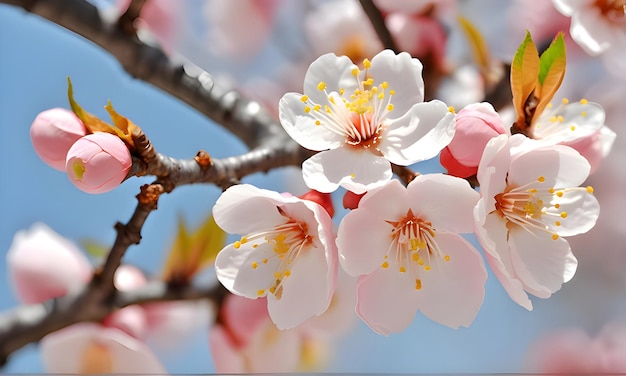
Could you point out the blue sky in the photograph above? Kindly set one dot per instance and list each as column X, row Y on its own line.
column 35, row 60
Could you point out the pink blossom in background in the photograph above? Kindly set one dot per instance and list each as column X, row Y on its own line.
column 43, row 265
column 91, row 348
column 530, row 200
column 475, row 125
column 227, row 35
column 404, row 243
column 362, row 120
column 53, row 132
column 98, row 163
column 286, row 253
column 132, row 320
column 574, row 351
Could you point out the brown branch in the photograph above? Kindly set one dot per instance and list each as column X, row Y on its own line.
column 244, row 118
column 378, row 22
column 31, row 323
column 126, row 22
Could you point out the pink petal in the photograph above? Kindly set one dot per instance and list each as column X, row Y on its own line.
column 387, row 300
column 43, row 265
column 227, row 357
column 445, row 201
column 244, row 316
column 272, row 350
column 64, row 351
column 453, row 291
column 53, row 132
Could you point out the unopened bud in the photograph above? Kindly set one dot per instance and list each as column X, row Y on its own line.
column 98, row 162
column 53, row 132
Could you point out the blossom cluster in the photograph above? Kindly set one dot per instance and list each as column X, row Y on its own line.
column 95, row 162
column 407, row 245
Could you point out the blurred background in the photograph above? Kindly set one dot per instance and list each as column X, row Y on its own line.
column 37, row 56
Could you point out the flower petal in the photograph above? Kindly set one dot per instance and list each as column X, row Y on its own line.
column 244, row 208
column 404, row 75
column 302, row 128
column 420, row 134
column 305, row 292
column 445, row 201
column 64, row 351
column 355, row 170
column 226, row 357
column 387, row 301
column 560, row 166
column 453, row 291
column 335, row 71
column 235, row 268
column 542, row 264
column 582, row 209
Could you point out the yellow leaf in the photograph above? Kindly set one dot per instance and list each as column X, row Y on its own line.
column 477, row 43
column 192, row 252
column 91, row 122
column 524, row 73
column 551, row 72
column 125, row 126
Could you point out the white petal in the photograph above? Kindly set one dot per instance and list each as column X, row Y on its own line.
column 335, row 71
column 305, row 292
column 493, row 167
column 234, row 268
column 582, row 210
column 493, row 235
column 387, row 301
column 591, row 31
column 404, row 75
column 560, row 166
column 355, row 170
column 574, row 126
column 244, row 208
column 542, row 264
column 445, row 201
column 453, row 291
column 568, row 7
column 301, row 126
column 418, row 135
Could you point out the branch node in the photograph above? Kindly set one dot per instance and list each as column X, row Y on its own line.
column 149, row 195
column 203, row 159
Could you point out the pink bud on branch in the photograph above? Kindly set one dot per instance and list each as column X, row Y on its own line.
column 98, row 162
column 53, row 132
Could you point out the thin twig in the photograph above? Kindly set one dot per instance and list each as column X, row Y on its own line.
column 378, row 22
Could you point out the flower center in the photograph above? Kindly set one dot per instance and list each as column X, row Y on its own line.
column 95, row 359
column 413, row 247
column 358, row 116
column 612, row 10
column 534, row 207
column 287, row 241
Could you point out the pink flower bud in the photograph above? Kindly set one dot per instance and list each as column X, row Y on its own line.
column 476, row 124
column 43, row 265
column 53, row 132
column 324, row 199
column 98, row 162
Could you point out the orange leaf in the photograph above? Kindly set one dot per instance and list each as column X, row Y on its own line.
column 551, row 72
column 524, row 72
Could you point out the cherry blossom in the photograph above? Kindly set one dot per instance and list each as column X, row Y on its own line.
column 43, row 265
column 91, row 348
column 530, row 200
column 287, row 252
column 362, row 120
column 596, row 25
column 404, row 245
column 574, row 351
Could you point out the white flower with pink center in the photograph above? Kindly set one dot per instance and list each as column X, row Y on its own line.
column 404, row 243
column 287, row 252
column 362, row 120
column 530, row 200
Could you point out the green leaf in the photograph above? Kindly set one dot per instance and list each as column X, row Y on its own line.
column 94, row 248
column 551, row 71
column 524, row 72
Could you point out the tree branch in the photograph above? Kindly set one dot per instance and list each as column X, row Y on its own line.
column 246, row 119
column 378, row 22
